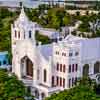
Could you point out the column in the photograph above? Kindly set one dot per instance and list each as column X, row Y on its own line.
column 91, row 68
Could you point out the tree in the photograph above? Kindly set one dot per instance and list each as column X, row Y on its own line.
column 11, row 88
column 84, row 90
column 41, row 38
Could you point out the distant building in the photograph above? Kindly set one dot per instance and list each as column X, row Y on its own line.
column 4, row 60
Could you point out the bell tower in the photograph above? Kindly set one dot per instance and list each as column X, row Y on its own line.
column 23, row 38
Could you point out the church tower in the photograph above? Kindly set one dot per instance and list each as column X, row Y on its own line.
column 23, row 45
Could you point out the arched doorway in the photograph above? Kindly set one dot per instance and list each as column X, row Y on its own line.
column 97, row 67
column 86, row 70
column 26, row 67
column 42, row 95
column 37, row 94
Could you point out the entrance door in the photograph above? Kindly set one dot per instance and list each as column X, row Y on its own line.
column 26, row 67
column 29, row 68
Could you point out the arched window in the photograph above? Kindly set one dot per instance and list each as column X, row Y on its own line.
column 69, row 85
column 60, row 81
column 53, row 81
column 15, row 33
column 37, row 94
column 57, row 79
column 64, row 68
column 45, row 75
column 69, row 68
column 30, row 33
column 43, row 95
column 19, row 34
column 73, row 68
column 57, row 66
column 63, row 82
column 60, row 67
column 72, row 81
column 76, row 67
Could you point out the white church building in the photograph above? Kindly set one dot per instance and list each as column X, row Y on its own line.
column 51, row 68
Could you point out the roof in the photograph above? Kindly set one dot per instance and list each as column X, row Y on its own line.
column 71, row 38
column 46, row 51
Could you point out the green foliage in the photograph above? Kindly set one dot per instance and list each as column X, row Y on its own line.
column 84, row 27
column 41, row 38
column 11, row 88
column 83, row 91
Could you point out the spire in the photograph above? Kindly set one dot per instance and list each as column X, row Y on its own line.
column 22, row 16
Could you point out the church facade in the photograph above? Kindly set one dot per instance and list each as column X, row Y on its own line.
column 51, row 68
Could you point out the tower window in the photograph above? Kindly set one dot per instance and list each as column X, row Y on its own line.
column 30, row 33
column 45, row 75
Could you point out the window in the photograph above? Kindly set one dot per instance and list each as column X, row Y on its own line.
column 76, row 67
column 18, row 34
column 53, row 81
column 63, row 83
column 69, row 83
column 76, row 53
column 63, row 54
column 15, row 33
column 64, row 68
column 57, row 53
column 69, row 68
column 72, row 81
column 4, row 62
column 70, row 54
column 57, row 66
column 30, row 33
column 60, row 81
column 45, row 75
column 73, row 68
column 60, row 67
column 57, row 79
column 75, row 80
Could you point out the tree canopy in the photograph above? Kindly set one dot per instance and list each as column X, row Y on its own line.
column 11, row 88
column 84, row 90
